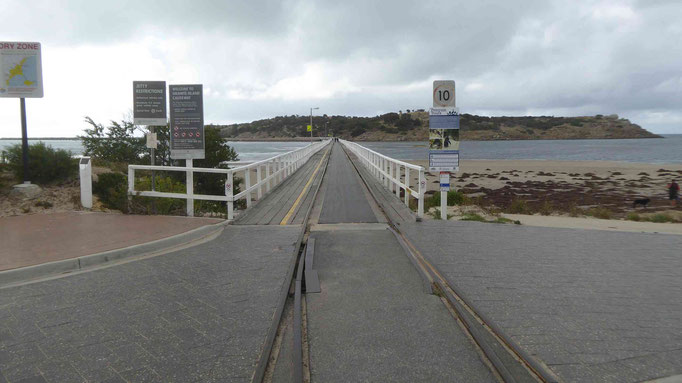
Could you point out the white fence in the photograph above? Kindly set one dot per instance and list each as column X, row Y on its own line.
column 393, row 174
column 268, row 173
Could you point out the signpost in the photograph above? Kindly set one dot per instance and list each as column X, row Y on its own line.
column 187, row 130
column 149, row 108
column 444, row 138
column 21, row 76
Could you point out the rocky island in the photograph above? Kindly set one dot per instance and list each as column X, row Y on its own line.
column 413, row 126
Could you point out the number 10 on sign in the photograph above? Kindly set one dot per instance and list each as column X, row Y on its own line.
column 443, row 94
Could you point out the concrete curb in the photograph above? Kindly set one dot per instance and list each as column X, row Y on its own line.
column 28, row 273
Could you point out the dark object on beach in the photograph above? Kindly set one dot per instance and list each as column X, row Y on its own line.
column 641, row 201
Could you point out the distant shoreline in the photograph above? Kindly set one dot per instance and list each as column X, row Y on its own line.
column 41, row 138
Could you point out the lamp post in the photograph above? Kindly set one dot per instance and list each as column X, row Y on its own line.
column 311, row 124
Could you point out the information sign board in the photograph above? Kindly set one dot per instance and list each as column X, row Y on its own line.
column 21, row 70
column 187, row 121
column 444, row 139
column 149, row 103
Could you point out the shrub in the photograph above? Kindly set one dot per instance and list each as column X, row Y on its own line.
column 546, row 208
column 661, row 218
column 45, row 163
column 115, row 143
column 165, row 206
column 456, row 198
column 112, row 189
column 473, row 217
column 633, row 217
column 600, row 212
column 518, row 206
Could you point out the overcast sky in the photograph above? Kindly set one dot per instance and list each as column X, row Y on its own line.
column 259, row 59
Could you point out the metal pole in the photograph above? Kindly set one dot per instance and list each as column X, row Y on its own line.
column 153, row 160
column 24, row 140
column 311, row 125
column 190, row 187
column 151, row 131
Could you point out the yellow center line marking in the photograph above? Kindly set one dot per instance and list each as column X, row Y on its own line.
column 286, row 218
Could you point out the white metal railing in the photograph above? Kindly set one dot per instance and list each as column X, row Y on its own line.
column 268, row 173
column 392, row 173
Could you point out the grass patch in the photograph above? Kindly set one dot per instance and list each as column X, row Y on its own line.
column 547, row 208
column 454, row 198
column 634, row 217
column 506, row 220
column 600, row 212
column 473, row 217
column 518, row 206
column 661, row 218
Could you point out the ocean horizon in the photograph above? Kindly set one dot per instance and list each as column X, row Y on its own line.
column 646, row 150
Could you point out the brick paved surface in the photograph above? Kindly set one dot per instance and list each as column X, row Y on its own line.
column 200, row 314
column 593, row 305
column 34, row 239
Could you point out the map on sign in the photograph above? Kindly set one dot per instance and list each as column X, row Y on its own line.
column 20, row 70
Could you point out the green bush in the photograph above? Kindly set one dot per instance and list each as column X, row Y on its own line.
column 115, row 143
column 661, row 218
column 473, row 217
column 633, row 217
column 546, row 208
column 454, row 198
column 45, row 164
column 164, row 206
column 112, row 190
column 518, row 206
column 600, row 212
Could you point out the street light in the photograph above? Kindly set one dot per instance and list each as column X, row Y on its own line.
column 311, row 124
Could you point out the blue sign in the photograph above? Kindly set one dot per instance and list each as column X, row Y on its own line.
column 444, row 122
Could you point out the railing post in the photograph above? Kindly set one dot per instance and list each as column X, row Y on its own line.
column 247, row 180
column 407, row 186
column 190, row 187
column 267, row 175
column 422, row 187
column 131, row 180
column 131, row 185
column 258, row 182
column 397, row 180
column 391, row 176
column 229, row 192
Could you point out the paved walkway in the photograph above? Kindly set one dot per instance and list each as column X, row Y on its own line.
column 34, row 239
column 595, row 306
column 373, row 320
column 197, row 315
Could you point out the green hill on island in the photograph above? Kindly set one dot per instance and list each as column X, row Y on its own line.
column 413, row 126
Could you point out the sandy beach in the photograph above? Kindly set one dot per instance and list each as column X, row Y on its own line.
column 549, row 189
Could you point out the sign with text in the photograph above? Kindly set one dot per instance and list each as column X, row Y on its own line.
column 21, row 70
column 149, row 103
column 443, row 94
column 444, row 139
column 187, row 121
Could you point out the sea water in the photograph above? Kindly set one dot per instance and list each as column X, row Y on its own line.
column 648, row 150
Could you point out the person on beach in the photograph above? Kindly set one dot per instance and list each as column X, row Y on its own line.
column 674, row 193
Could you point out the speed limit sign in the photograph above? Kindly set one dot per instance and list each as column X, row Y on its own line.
column 443, row 94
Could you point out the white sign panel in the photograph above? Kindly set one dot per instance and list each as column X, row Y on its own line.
column 443, row 94
column 21, row 71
